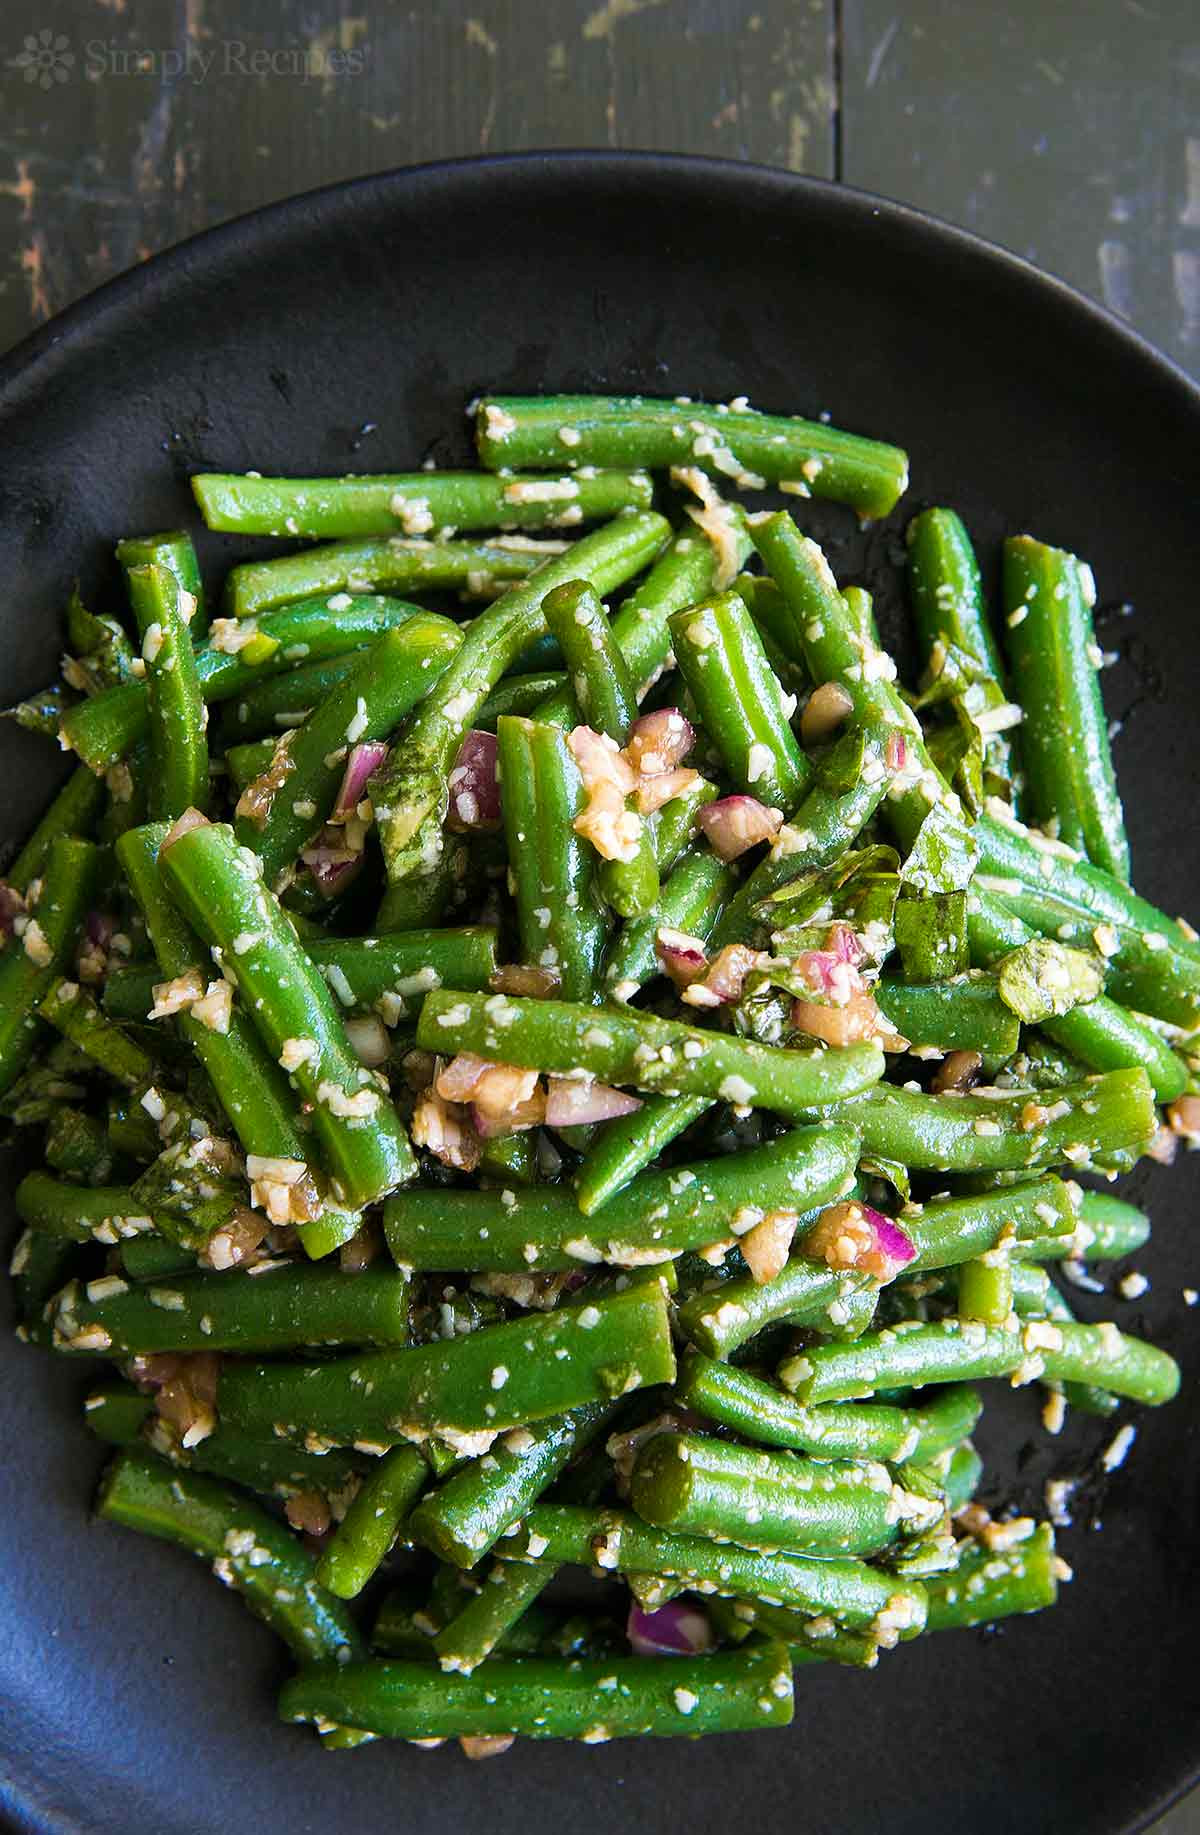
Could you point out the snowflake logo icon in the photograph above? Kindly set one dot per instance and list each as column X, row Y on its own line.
column 47, row 58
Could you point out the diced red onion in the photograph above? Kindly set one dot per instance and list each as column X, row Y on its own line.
column 825, row 710
column 333, row 867
column 99, row 927
column 659, row 741
column 525, row 978
column 765, row 1247
column 683, row 958
column 456, row 1081
column 572, row 1103
column 895, row 755
column 853, row 1235
column 726, row 977
column 734, row 823
column 361, row 765
column 654, row 792
column 842, row 941
column 474, row 784
column 191, row 818
column 516, row 1119
column 677, row 1629
column 847, row 1024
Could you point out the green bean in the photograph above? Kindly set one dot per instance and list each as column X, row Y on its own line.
column 152, row 1258
column 73, row 1012
column 626, row 1047
column 35, row 960
column 277, row 1309
column 962, row 1014
column 547, row 1698
column 741, row 705
column 1009, row 850
column 675, row 823
column 288, row 804
column 661, row 1213
column 694, row 1485
column 985, row 1288
column 691, row 900
column 559, row 920
column 945, row 589
column 1102, row 1115
column 250, row 1551
column 989, row 1584
column 617, row 1541
column 410, row 794
column 235, row 657
column 604, row 690
column 175, row 552
column 1115, row 1227
column 412, row 503
column 625, row 1146
column 960, row 1476
column 753, row 449
column 217, row 885
column 467, row 1515
column 475, row 1632
column 952, row 1351
column 499, row 1377
column 77, row 1146
column 371, row 1524
column 1055, row 663
column 283, row 701
column 101, row 1213
column 174, row 704
column 73, row 812
column 758, row 1411
column 521, row 694
column 38, row 1265
column 803, row 1293
column 388, row 564
column 1099, row 1033
column 949, row 1231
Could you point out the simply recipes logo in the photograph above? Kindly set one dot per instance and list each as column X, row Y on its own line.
column 48, row 58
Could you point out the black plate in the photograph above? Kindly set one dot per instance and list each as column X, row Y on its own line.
column 346, row 331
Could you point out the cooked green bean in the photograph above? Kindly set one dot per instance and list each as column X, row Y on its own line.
column 73, row 812
column 737, row 442
column 691, row 901
column 174, row 703
column 740, row 702
column 963, row 1014
column 37, row 957
column 373, row 1520
column 624, row 1147
column 174, row 551
column 626, row 1047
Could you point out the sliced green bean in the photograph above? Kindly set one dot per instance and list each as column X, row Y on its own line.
column 174, row 702
column 412, row 503
column 73, row 812
column 605, row 692
column 1103, row 1115
column 284, row 1306
column 758, row 1411
column 729, row 442
column 803, row 1293
column 217, row 884
column 661, row 1214
column 691, row 900
column 250, row 1551
column 174, row 551
column 559, row 920
column 37, row 958
column 547, row 1698
column 474, row 1633
column 500, row 1377
column 624, row 1147
column 989, row 1584
column 963, row 1014
column 626, row 1047
column 694, row 1485
column 617, row 1541
column 72, row 1011
column 1055, row 667
column 371, row 1524
column 741, row 704
column 389, row 564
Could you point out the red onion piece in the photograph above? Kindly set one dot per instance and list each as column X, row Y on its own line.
column 654, row 792
column 363, row 762
column 571, row 1103
column 859, row 1018
column 456, row 1081
column 99, row 927
column 734, row 823
column 474, row 785
column 683, row 958
column 895, row 755
column 331, row 865
column 675, row 1630
column 516, row 1120
column 852, row 1235
column 191, row 818
column 842, row 942
column 659, row 741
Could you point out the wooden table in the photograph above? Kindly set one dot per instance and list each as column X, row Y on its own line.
column 1067, row 129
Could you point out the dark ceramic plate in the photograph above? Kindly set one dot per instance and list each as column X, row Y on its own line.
column 346, row 331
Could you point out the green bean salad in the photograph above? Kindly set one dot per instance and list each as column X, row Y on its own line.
column 534, row 1050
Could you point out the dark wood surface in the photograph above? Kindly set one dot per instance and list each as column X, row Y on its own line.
column 1068, row 130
